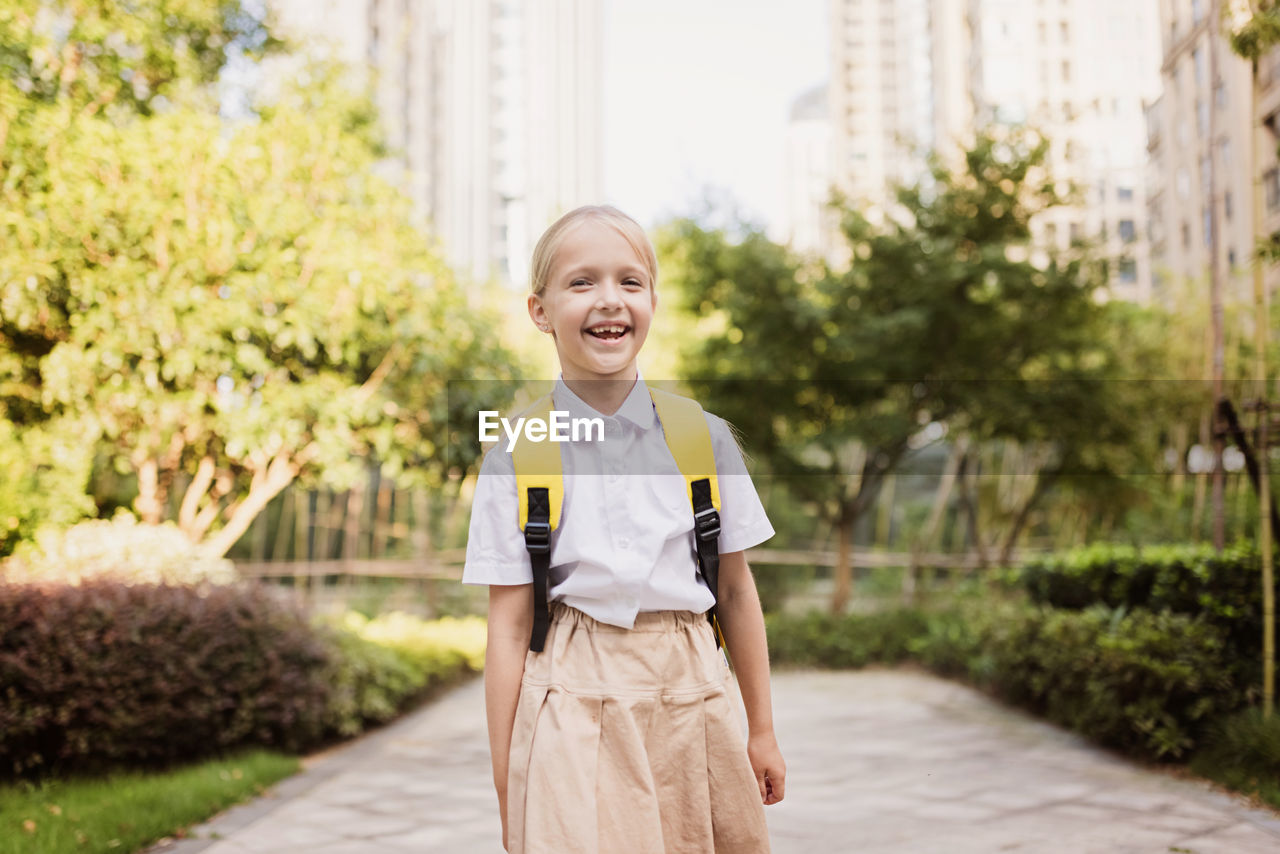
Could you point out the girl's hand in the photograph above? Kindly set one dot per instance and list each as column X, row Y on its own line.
column 770, row 770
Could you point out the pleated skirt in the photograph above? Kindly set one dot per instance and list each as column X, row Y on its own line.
column 625, row 742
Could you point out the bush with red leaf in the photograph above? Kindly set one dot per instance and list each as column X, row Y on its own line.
column 108, row 673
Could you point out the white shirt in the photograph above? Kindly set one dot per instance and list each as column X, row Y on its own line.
column 625, row 539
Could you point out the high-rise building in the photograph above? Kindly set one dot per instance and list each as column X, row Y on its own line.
column 492, row 107
column 910, row 75
column 880, row 94
column 1081, row 71
column 1199, row 124
column 807, row 225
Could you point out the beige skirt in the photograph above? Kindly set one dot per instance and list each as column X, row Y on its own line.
column 626, row 742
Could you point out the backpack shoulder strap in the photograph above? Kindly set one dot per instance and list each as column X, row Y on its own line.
column 539, row 495
column 538, row 466
column 689, row 438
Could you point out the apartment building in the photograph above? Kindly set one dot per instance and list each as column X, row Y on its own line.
column 493, row 109
column 913, row 75
column 1198, row 124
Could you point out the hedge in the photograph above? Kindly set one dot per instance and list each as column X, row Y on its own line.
column 108, row 674
column 1224, row 589
column 1141, row 682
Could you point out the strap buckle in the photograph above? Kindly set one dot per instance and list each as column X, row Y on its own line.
column 707, row 523
column 537, row 537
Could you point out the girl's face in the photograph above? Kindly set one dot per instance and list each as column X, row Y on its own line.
column 598, row 304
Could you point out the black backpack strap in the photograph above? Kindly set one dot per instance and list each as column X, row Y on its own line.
column 537, row 541
column 706, row 530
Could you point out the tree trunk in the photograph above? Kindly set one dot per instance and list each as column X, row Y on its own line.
column 352, row 523
column 1215, row 282
column 267, row 482
column 971, row 512
column 1261, row 326
column 420, row 534
column 884, row 519
column 149, row 503
column 1202, row 482
column 284, row 528
column 1024, row 513
column 843, row 575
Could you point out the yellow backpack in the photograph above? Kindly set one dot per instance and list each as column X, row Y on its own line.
column 540, row 493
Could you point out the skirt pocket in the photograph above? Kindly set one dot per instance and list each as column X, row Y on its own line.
column 551, row 788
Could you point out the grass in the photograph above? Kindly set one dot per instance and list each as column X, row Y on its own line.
column 125, row 811
column 1243, row 753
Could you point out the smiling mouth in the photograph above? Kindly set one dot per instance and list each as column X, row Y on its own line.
column 609, row 331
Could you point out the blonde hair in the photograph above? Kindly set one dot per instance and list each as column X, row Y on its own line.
column 544, row 254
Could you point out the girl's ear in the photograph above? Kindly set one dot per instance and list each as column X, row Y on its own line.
column 538, row 314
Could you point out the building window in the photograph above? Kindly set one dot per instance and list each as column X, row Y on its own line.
column 1127, row 231
column 1271, row 184
column 1066, row 71
column 1231, row 259
column 1184, row 182
column 1064, row 31
column 1197, row 11
column 1202, row 117
column 1075, row 232
column 1226, row 205
column 1124, row 194
column 1206, row 221
column 1197, row 59
column 1128, row 270
column 1186, row 235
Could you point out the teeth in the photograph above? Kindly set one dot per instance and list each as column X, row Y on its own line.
column 618, row 329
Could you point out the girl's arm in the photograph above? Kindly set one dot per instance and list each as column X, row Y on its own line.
column 510, row 625
column 742, row 622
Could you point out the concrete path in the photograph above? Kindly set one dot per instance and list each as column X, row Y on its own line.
column 878, row 761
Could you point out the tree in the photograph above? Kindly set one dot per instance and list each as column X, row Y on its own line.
column 221, row 307
column 1255, row 31
column 946, row 316
column 64, row 61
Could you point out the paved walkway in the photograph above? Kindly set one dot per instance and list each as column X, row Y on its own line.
column 878, row 761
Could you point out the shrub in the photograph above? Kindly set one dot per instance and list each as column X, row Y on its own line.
column 1243, row 752
column 105, row 673
column 385, row 663
column 822, row 640
column 121, row 549
column 1224, row 589
column 1145, row 683
column 368, row 684
column 444, row 645
column 1184, row 579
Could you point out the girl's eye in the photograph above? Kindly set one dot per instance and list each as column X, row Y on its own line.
column 577, row 282
column 634, row 283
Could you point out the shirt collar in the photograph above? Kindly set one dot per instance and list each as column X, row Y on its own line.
column 636, row 408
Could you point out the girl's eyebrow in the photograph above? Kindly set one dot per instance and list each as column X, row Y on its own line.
column 587, row 270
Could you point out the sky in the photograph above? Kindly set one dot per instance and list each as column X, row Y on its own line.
column 696, row 96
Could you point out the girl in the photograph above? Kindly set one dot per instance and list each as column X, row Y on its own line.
column 619, row 736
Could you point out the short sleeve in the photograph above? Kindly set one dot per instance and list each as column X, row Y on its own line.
column 743, row 522
column 495, row 547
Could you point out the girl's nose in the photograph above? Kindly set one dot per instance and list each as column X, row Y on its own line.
column 609, row 295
